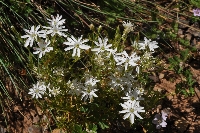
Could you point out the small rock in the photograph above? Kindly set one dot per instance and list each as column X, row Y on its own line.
column 161, row 75
column 188, row 110
column 188, row 36
column 170, row 97
column 36, row 119
column 180, row 32
column 34, row 129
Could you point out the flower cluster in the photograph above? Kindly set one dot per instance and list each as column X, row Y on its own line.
column 147, row 45
column 131, row 105
column 111, row 64
column 56, row 27
column 40, row 89
column 87, row 89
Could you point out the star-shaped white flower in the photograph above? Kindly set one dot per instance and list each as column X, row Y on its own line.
column 89, row 88
column 56, row 21
column 128, row 26
column 37, row 90
column 56, row 30
column 131, row 109
column 54, row 91
column 76, row 45
column 148, row 43
column 102, row 46
column 32, row 35
column 132, row 96
column 89, row 92
column 116, row 82
column 43, row 48
column 75, row 87
column 124, row 58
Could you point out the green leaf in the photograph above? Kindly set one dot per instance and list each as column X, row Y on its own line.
column 28, row 1
column 195, row 3
column 103, row 125
column 184, row 54
column 77, row 129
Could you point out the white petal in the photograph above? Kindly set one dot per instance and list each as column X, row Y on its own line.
column 36, row 52
column 95, row 49
column 78, row 52
column 40, row 55
column 68, row 48
column 124, row 111
column 74, row 52
column 68, row 43
column 25, row 36
column 138, row 115
column 126, row 115
column 37, row 28
column 27, row 43
column 124, row 106
column 132, row 117
column 94, row 94
column 84, row 46
column 31, row 42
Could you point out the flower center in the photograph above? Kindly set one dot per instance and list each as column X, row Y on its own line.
column 127, row 60
column 55, row 23
column 43, row 49
column 132, row 98
column 103, row 48
column 88, row 90
column 37, row 90
column 33, row 35
column 131, row 110
column 77, row 45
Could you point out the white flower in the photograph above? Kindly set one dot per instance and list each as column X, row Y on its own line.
column 56, row 30
column 32, row 35
column 90, row 81
column 43, row 48
column 103, row 46
column 132, row 96
column 56, row 26
column 147, row 43
column 113, row 51
column 130, row 77
column 75, row 87
column 116, row 82
column 140, row 90
column 37, row 90
column 54, row 91
column 89, row 92
column 89, row 89
column 55, row 22
column 131, row 109
column 76, row 45
column 128, row 26
column 124, row 58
